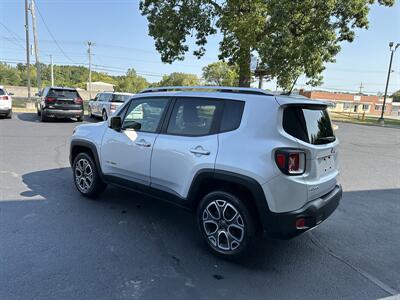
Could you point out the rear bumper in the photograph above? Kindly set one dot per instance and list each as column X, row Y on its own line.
column 62, row 113
column 283, row 225
column 5, row 111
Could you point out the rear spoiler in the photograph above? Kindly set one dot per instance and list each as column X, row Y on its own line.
column 302, row 102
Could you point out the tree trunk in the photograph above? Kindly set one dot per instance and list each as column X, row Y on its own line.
column 244, row 67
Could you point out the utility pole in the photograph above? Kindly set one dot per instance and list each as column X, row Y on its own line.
column 35, row 42
column 90, row 68
column 52, row 70
column 392, row 50
column 28, row 67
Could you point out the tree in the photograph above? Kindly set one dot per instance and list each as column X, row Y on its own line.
column 131, row 82
column 179, row 79
column 220, row 73
column 396, row 96
column 291, row 37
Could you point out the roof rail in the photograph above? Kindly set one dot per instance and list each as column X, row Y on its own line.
column 222, row 89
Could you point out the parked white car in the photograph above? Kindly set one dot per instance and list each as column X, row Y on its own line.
column 106, row 103
column 245, row 161
column 5, row 103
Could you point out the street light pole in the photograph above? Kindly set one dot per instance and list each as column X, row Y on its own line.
column 392, row 50
column 28, row 64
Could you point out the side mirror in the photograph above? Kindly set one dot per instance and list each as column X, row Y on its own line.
column 115, row 123
column 11, row 94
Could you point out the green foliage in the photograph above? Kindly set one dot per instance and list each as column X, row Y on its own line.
column 131, row 82
column 179, row 79
column 220, row 73
column 396, row 96
column 291, row 38
column 73, row 76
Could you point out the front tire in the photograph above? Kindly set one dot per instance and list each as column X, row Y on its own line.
column 86, row 176
column 225, row 224
column 90, row 112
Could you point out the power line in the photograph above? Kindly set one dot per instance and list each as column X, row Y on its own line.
column 52, row 36
column 14, row 36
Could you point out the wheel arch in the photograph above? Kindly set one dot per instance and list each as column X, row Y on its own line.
column 246, row 188
column 83, row 146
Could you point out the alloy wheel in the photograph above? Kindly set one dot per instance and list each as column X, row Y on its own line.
column 83, row 175
column 223, row 225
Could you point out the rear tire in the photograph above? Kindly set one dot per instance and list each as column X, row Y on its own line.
column 9, row 116
column 86, row 176
column 90, row 112
column 79, row 119
column 43, row 118
column 226, row 225
column 104, row 115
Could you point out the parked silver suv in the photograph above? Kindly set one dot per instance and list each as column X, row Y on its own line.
column 246, row 161
column 106, row 103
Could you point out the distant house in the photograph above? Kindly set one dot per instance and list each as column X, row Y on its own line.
column 99, row 86
column 355, row 103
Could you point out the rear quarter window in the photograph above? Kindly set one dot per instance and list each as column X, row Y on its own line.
column 2, row 92
column 309, row 124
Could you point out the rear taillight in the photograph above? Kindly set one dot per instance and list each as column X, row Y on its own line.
column 3, row 97
column 113, row 107
column 290, row 161
column 78, row 100
column 50, row 99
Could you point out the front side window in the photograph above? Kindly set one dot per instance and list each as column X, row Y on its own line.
column 193, row 117
column 147, row 112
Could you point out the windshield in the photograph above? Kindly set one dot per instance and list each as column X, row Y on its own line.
column 311, row 125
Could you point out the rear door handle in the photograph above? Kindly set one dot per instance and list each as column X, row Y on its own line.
column 200, row 151
column 143, row 143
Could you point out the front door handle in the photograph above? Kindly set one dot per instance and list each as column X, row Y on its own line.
column 200, row 151
column 143, row 143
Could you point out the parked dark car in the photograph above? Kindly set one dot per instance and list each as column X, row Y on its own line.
column 60, row 102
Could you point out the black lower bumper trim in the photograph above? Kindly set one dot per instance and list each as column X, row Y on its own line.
column 283, row 225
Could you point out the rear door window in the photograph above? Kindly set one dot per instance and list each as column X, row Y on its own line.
column 309, row 124
column 194, row 117
column 232, row 115
column 60, row 93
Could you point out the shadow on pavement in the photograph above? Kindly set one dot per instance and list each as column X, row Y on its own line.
column 33, row 117
column 363, row 226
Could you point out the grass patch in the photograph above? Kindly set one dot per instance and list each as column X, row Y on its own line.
column 368, row 120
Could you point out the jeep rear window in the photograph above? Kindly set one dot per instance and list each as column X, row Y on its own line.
column 60, row 93
column 309, row 124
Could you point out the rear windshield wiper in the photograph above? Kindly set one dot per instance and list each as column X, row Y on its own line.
column 325, row 139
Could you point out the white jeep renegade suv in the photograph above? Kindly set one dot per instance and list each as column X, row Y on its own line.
column 246, row 161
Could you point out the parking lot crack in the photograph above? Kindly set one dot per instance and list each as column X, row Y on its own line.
column 360, row 271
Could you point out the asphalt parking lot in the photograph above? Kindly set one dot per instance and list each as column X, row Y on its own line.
column 55, row 244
